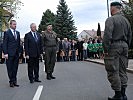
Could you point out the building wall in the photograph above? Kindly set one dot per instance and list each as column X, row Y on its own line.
column 84, row 35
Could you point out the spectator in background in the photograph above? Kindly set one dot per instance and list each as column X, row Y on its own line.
column 90, row 48
column 100, row 50
column 95, row 49
column 58, row 51
column 66, row 49
column 21, row 53
column 73, row 50
column 80, row 50
column 85, row 45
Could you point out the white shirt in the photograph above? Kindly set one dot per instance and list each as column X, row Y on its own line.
column 85, row 45
column 35, row 34
column 14, row 33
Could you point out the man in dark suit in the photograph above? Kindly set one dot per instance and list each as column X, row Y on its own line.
column 33, row 50
column 11, row 46
column 80, row 50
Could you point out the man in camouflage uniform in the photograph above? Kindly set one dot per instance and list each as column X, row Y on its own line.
column 50, row 44
column 116, row 41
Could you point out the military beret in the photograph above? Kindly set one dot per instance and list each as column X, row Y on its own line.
column 115, row 4
column 47, row 24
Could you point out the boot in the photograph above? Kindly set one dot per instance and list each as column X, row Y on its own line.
column 123, row 92
column 52, row 77
column 117, row 96
column 48, row 76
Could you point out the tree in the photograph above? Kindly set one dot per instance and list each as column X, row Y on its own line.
column 128, row 11
column 9, row 7
column 64, row 23
column 99, row 30
column 48, row 17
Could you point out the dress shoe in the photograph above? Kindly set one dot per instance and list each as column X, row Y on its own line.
column 117, row 96
column 114, row 98
column 16, row 85
column 31, row 81
column 52, row 77
column 48, row 77
column 37, row 81
column 11, row 85
column 125, row 97
column 123, row 92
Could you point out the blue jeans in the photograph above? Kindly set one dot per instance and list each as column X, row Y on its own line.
column 85, row 54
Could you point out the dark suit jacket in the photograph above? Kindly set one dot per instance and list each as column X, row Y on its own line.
column 10, row 45
column 33, row 48
column 73, row 47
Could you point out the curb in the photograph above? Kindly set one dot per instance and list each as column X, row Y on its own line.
column 128, row 69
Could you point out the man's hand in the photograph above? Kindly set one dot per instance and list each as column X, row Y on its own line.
column 19, row 54
column 27, row 57
column 6, row 56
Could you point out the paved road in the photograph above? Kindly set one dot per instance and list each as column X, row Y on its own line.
column 75, row 81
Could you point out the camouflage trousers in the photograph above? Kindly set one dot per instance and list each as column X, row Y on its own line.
column 116, row 63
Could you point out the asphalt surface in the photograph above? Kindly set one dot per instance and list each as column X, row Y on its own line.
column 74, row 81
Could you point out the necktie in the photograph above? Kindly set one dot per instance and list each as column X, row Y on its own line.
column 35, row 37
column 15, row 36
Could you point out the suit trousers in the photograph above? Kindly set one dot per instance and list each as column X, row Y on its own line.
column 33, row 68
column 12, row 67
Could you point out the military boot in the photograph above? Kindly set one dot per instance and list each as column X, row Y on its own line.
column 117, row 96
column 123, row 92
column 52, row 77
column 48, row 76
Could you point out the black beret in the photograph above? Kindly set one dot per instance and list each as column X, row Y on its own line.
column 115, row 4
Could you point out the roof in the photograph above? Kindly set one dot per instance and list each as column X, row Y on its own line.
column 91, row 33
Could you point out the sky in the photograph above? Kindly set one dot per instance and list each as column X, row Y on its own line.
column 86, row 13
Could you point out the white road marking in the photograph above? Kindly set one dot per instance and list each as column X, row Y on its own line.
column 38, row 93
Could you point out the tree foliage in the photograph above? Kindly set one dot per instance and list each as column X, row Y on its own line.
column 10, row 8
column 48, row 17
column 64, row 23
column 128, row 11
column 99, row 30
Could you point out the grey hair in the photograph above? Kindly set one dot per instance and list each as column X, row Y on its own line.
column 32, row 25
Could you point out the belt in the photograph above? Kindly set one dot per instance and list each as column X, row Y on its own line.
column 118, row 41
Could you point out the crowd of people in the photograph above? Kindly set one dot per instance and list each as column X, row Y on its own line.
column 72, row 50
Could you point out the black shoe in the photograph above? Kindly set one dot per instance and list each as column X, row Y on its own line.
column 123, row 92
column 16, row 85
column 115, row 98
column 48, row 77
column 31, row 81
column 118, row 96
column 125, row 97
column 11, row 85
column 37, row 81
column 52, row 77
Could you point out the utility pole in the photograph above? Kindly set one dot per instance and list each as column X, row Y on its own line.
column 108, row 7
